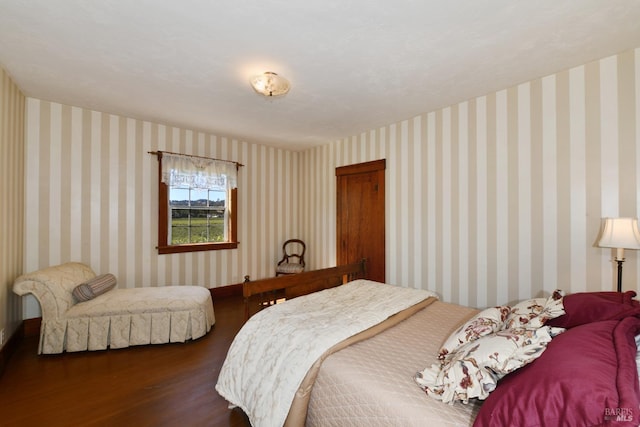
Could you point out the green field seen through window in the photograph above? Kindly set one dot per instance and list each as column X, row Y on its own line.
column 198, row 230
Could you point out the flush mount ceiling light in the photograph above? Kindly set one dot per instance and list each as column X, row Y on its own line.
column 270, row 84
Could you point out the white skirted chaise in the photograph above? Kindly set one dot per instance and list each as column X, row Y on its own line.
column 117, row 318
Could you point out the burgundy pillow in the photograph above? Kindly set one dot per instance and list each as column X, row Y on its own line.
column 587, row 307
column 586, row 376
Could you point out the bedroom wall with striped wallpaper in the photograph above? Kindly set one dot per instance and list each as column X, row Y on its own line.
column 92, row 196
column 500, row 197
column 11, row 200
column 490, row 200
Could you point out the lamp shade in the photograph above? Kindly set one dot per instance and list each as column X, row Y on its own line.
column 270, row 84
column 620, row 233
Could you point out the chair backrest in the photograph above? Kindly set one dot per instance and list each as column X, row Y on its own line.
column 293, row 248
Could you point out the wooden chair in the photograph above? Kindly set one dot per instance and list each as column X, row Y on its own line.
column 292, row 261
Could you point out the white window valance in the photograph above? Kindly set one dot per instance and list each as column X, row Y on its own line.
column 198, row 172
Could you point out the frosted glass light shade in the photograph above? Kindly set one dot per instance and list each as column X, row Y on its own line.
column 270, row 84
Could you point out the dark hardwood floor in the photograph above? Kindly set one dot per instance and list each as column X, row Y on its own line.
column 154, row 385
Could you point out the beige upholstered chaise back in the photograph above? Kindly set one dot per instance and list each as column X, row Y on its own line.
column 53, row 287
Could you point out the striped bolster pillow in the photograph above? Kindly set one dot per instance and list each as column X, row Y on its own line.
column 94, row 287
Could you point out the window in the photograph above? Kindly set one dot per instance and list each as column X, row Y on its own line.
column 197, row 204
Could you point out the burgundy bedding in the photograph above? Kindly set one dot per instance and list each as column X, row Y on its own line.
column 587, row 307
column 586, row 377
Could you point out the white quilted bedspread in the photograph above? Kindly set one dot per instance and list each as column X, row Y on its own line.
column 272, row 353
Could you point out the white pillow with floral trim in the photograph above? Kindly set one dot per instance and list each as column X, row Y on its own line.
column 474, row 369
column 530, row 314
column 484, row 323
column 535, row 312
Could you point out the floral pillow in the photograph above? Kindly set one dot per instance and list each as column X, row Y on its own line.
column 529, row 314
column 473, row 370
column 490, row 345
column 534, row 313
column 484, row 323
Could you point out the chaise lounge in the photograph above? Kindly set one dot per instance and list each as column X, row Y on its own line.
column 82, row 311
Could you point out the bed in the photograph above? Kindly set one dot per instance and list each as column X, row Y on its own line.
column 292, row 365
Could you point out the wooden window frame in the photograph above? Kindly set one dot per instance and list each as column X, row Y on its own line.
column 163, row 223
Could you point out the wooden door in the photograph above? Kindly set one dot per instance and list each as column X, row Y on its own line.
column 361, row 216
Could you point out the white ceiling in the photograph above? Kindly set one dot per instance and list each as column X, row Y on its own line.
column 354, row 65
